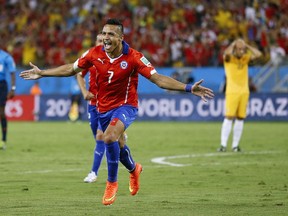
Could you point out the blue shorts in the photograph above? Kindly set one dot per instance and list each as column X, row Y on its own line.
column 93, row 117
column 126, row 114
column 3, row 92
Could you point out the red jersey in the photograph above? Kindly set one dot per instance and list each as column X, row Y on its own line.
column 92, row 83
column 117, row 79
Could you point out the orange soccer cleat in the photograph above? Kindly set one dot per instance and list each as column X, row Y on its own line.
column 110, row 193
column 134, row 184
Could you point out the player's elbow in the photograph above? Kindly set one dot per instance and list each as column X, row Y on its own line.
column 257, row 56
column 69, row 70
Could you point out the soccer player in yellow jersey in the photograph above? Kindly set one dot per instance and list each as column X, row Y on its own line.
column 236, row 59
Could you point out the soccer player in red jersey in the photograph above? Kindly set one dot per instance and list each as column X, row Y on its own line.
column 118, row 67
column 93, row 116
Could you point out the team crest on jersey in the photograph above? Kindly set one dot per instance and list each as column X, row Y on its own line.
column 124, row 64
column 145, row 61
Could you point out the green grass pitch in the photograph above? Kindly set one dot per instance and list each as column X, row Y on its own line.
column 42, row 171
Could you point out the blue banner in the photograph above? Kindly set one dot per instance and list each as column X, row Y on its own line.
column 185, row 107
column 57, row 107
column 176, row 107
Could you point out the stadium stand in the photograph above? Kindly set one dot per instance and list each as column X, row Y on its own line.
column 170, row 33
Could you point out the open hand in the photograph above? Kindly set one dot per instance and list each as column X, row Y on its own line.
column 32, row 74
column 201, row 91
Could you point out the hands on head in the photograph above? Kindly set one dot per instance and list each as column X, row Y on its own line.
column 239, row 40
column 32, row 74
column 239, row 43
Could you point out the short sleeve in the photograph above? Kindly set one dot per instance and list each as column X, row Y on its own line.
column 84, row 61
column 11, row 67
column 144, row 67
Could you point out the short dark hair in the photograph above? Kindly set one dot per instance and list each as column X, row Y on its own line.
column 115, row 22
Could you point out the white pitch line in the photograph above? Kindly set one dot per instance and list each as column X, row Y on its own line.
column 163, row 163
column 49, row 171
column 163, row 160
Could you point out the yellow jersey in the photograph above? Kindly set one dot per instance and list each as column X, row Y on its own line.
column 237, row 77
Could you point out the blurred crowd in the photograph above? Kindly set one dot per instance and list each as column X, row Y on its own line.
column 169, row 32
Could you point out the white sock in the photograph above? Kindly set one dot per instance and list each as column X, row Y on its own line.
column 225, row 131
column 237, row 132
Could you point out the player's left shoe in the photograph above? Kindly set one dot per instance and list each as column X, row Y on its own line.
column 91, row 177
column 236, row 149
column 221, row 149
column 134, row 183
column 110, row 193
column 2, row 145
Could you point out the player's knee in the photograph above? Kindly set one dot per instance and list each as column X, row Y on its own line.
column 109, row 138
column 99, row 135
column 230, row 117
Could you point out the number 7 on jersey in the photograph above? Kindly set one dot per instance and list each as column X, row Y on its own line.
column 110, row 76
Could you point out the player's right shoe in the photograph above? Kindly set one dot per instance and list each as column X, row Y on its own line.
column 134, row 183
column 110, row 193
column 91, row 177
column 236, row 149
column 2, row 145
column 221, row 149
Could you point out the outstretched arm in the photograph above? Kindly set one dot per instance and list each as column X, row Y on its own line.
column 35, row 73
column 169, row 83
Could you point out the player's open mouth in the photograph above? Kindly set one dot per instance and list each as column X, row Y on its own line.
column 107, row 45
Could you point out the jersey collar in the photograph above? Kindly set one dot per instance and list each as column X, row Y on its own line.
column 125, row 48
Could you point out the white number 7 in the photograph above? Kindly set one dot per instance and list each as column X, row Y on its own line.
column 110, row 77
